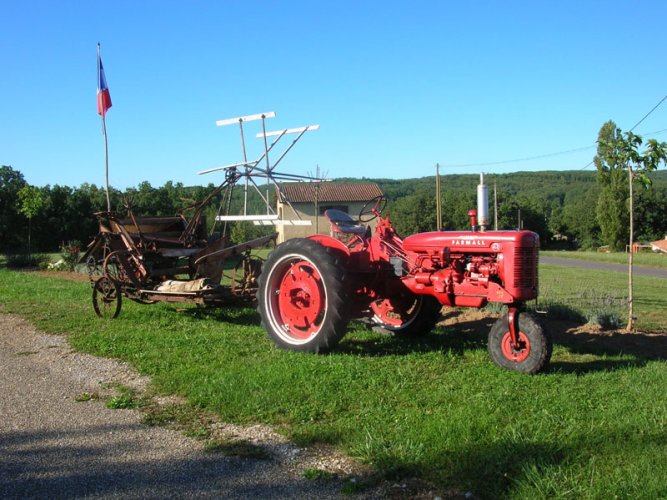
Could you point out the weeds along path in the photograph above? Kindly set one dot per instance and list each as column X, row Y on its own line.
column 604, row 266
column 53, row 444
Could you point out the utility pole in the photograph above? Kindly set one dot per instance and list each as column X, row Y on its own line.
column 495, row 206
column 317, row 207
column 438, row 198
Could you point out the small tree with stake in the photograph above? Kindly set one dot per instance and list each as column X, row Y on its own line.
column 31, row 201
column 638, row 166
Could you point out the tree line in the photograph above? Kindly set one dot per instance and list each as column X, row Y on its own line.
column 575, row 209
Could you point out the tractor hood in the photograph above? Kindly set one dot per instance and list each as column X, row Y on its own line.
column 470, row 241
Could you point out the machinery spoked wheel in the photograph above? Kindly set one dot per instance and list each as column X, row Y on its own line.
column 408, row 314
column 301, row 297
column 107, row 299
column 532, row 352
column 113, row 268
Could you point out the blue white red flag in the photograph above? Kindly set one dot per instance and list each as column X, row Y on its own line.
column 103, row 96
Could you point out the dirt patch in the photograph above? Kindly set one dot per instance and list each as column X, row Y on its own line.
column 586, row 338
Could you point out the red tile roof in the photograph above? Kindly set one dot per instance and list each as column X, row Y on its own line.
column 305, row 192
column 660, row 244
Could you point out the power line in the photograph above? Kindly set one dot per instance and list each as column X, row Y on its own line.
column 647, row 133
column 537, row 157
column 646, row 115
column 528, row 158
column 635, row 125
column 558, row 153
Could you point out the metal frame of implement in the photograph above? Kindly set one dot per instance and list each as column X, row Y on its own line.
column 252, row 169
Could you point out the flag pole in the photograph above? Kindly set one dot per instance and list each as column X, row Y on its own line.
column 106, row 161
column 104, row 127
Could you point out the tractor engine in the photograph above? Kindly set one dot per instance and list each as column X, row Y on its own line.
column 472, row 268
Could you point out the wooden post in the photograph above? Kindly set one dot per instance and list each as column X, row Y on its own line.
column 631, row 315
column 495, row 206
column 438, row 198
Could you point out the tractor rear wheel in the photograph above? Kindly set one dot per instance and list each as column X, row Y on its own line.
column 408, row 315
column 533, row 352
column 302, row 296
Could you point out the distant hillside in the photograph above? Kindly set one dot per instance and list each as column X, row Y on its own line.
column 547, row 184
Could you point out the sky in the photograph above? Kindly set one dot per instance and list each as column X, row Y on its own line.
column 396, row 87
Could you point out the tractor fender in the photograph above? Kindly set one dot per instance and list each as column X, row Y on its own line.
column 328, row 241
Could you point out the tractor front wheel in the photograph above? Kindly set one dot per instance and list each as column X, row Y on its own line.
column 532, row 352
column 407, row 315
column 302, row 296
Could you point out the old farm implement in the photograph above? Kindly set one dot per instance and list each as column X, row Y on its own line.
column 175, row 259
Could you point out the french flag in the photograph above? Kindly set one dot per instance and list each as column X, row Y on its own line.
column 103, row 96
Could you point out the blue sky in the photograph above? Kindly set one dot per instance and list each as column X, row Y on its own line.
column 395, row 86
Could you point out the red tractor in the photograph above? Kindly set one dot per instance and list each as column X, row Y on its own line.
column 310, row 288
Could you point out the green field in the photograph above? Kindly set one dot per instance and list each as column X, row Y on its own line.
column 593, row 296
column 647, row 259
column 593, row 426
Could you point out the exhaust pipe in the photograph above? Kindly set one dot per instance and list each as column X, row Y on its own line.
column 482, row 204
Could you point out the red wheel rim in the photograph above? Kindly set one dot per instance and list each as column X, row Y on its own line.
column 397, row 312
column 515, row 354
column 300, row 300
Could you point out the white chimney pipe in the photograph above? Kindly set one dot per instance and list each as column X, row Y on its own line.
column 482, row 204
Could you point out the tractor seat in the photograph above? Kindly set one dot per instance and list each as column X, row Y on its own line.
column 343, row 223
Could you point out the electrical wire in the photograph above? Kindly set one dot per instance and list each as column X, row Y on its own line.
column 558, row 153
column 635, row 126
column 647, row 114
column 528, row 158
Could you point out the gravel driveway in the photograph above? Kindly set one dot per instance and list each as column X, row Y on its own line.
column 54, row 446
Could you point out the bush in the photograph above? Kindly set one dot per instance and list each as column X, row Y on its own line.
column 70, row 253
column 24, row 260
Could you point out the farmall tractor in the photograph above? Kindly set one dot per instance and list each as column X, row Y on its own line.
column 310, row 288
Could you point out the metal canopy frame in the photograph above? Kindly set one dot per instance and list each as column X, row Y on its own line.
column 261, row 168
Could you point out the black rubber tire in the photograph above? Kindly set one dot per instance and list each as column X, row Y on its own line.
column 420, row 324
column 539, row 345
column 107, row 299
column 320, row 274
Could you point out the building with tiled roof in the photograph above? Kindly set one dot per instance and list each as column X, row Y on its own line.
column 329, row 193
column 309, row 201
column 660, row 245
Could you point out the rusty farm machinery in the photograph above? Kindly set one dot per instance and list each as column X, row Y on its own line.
column 175, row 259
column 308, row 289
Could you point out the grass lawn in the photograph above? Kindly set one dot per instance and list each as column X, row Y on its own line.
column 648, row 259
column 599, row 297
column 594, row 426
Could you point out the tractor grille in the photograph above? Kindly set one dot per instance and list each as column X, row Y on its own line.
column 525, row 267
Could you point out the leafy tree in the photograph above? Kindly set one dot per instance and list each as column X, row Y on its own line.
column 626, row 155
column 612, row 211
column 31, row 202
column 580, row 221
column 414, row 214
column 243, row 231
column 11, row 182
column 455, row 208
column 650, row 211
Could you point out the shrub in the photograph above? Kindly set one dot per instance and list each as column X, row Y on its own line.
column 70, row 253
column 24, row 260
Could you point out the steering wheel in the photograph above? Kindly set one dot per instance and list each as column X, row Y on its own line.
column 372, row 209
